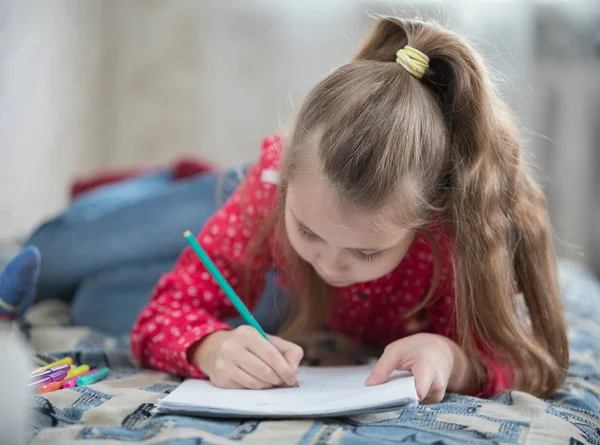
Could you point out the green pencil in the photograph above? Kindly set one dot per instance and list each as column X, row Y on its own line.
column 235, row 300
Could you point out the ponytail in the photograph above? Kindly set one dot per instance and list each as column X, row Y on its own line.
column 499, row 220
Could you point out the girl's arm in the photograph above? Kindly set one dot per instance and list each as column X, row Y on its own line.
column 187, row 304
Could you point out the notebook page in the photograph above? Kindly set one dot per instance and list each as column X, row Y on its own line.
column 322, row 391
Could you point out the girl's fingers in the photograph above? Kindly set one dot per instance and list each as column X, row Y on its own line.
column 248, row 381
column 386, row 364
column 269, row 354
column 437, row 389
column 231, row 385
column 424, row 377
column 257, row 368
column 291, row 351
column 434, row 396
column 426, row 364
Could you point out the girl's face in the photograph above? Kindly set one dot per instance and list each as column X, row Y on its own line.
column 344, row 246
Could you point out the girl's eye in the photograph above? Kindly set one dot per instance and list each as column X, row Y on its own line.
column 364, row 256
column 307, row 234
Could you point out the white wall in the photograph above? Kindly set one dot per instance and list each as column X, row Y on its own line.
column 50, row 54
column 86, row 84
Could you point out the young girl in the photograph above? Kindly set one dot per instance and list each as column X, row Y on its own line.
column 399, row 213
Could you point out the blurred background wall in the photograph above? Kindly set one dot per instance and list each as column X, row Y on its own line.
column 89, row 84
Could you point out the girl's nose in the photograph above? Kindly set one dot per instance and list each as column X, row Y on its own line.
column 331, row 264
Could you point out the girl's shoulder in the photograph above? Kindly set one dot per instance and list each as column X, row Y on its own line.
column 256, row 197
column 270, row 156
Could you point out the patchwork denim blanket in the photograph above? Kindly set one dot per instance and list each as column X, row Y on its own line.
column 120, row 409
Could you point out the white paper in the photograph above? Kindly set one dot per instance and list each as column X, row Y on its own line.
column 333, row 391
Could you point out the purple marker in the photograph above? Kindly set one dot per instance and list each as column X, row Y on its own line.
column 35, row 382
column 50, row 371
column 57, row 376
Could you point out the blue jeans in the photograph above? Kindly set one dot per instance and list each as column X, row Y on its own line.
column 108, row 249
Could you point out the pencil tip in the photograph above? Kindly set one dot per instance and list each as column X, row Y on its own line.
column 187, row 233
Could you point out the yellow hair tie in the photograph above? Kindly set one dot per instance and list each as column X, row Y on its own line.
column 413, row 61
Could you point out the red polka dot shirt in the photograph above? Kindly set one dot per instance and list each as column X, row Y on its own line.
column 188, row 304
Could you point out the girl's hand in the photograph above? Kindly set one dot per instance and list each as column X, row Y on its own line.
column 242, row 358
column 436, row 362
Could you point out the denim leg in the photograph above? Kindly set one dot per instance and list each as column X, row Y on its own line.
column 75, row 245
column 111, row 301
column 107, row 198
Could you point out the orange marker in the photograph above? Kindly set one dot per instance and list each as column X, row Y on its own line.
column 49, row 387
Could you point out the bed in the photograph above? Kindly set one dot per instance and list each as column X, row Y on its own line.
column 119, row 410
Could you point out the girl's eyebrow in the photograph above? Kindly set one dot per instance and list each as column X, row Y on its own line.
column 353, row 249
column 304, row 226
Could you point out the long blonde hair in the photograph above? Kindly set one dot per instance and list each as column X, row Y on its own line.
column 455, row 141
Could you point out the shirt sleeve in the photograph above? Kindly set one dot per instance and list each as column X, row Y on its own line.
column 441, row 313
column 188, row 304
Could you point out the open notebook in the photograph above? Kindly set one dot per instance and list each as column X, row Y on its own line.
column 334, row 391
